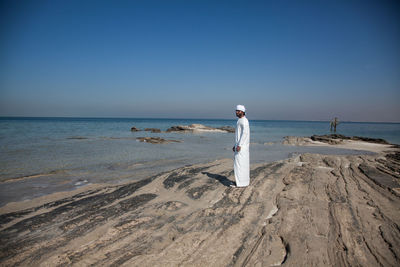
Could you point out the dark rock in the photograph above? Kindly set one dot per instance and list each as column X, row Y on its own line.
column 178, row 128
column 197, row 192
column 179, row 177
column 370, row 140
column 228, row 129
column 332, row 139
column 175, row 178
column 382, row 179
column 394, row 157
column 156, row 140
column 134, row 129
column 338, row 138
column 200, row 128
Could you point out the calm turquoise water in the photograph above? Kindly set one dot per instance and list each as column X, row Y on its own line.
column 65, row 153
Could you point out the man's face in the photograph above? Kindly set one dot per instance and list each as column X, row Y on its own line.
column 239, row 113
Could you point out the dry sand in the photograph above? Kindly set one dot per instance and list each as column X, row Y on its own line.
column 311, row 210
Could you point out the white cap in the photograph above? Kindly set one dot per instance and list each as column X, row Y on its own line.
column 241, row 108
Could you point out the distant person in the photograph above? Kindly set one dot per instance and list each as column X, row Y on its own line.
column 334, row 123
column 242, row 142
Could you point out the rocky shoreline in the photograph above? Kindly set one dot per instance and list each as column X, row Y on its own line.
column 157, row 140
column 322, row 210
column 192, row 128
column 331, row 139
column 340, row 141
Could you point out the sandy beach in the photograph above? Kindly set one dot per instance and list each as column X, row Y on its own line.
column 308, row 210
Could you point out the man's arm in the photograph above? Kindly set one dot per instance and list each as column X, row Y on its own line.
column 244, row 133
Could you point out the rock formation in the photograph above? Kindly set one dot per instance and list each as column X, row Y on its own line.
column 312, row 210
column 228, row 129
column 331, row 139
column 193, row 128
column 156, row 140
column 338, row 138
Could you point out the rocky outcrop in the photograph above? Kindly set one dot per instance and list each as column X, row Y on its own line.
column 134, row 129
column 193, row 128
column 332, row 139
column 327, row 139
column 338, row 139
column 156, row 140
column 228, row 129
column 311, row 210
column 179, row 128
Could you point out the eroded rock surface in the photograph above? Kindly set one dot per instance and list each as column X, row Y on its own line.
column 338, row 139
column 156, row 140
column 200, row 128
column 312, row 210
column 134, row 129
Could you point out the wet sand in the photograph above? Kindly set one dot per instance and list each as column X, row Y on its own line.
column 310, row 210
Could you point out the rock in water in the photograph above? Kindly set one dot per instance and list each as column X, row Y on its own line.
column 228, row 129
column 338, row 139
column 200, row 128
column 134, row 129
column 156, row 140
column 178, row 128
column 332, row 139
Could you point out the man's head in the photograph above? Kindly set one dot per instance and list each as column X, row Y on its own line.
column 240, row 111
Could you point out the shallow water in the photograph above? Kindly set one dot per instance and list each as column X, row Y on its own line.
column 43, row 155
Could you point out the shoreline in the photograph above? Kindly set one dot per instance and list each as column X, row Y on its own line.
column 65, row 182
column 340, row 143
column 287, row 141
column 346, row 205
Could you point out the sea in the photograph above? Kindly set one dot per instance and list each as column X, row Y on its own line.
column 40, row 156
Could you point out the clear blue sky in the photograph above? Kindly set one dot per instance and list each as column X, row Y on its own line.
column 300, row 60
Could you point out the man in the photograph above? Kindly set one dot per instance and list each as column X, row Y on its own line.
column 334, row 123
column 242, row 142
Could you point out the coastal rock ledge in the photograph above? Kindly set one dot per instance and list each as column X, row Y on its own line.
column 156, row 140
column 338, row 139
column 193, row 128
column 134, row 129
column 331, row 139
column 309, row 210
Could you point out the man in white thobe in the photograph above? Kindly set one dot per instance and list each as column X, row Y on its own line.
column 242, row 142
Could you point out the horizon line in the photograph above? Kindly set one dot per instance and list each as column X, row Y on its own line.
column 155, row 118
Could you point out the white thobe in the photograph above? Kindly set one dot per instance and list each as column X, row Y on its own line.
column 242, row 158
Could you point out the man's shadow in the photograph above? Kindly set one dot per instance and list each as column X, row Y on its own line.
column 220, row 178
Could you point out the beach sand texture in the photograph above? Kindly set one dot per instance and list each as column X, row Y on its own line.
column 310, row 210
